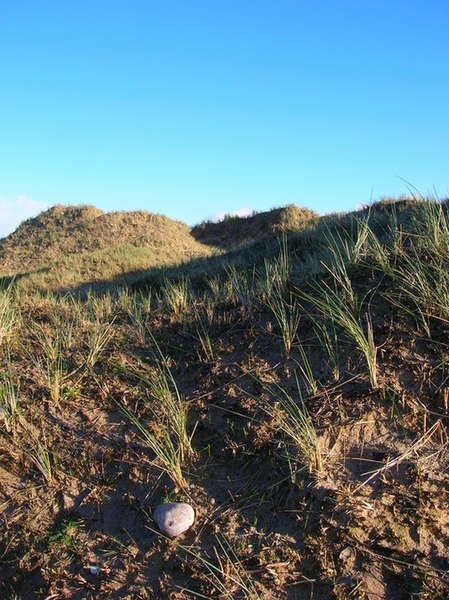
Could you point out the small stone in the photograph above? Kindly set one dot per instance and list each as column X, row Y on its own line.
column 346, row 553
column 173, row 518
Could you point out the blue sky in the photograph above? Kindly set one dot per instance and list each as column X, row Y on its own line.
column 197, row 107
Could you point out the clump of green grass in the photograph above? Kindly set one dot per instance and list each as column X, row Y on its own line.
column 9, row 407
column 276, row 272
column 241, row 287
column 166, row 400
column 177, row 295
column 100, row 306
column 37, row 449
column 54, row 347
column 99, row 336
column 216, row 288
column 305, row 366
column 48, row 357
column 326, row 333
column 287, row 316
column 140, row 317
column 7, row 312
column 158, row 436
column 125, row 301
column 290, row 417
column 341, row 302
column 166, row 431
column 334, row 306
column 224, row 574
column 274, row 283
column 207, row 347
column 421, row 268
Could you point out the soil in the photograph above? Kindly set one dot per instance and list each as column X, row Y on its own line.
column 372, row 524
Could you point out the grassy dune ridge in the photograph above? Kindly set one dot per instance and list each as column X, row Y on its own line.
column 291, row 385
column 66, row 247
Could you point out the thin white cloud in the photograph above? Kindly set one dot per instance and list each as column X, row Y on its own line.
column 15, row 210
column 242, row 212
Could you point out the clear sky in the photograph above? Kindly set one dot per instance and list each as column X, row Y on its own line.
column 196, row 107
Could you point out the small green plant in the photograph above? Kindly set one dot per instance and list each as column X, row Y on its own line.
column 125, row 301
column 38, row 452
column 99, row 306
column 241, row 286
column 276, row 273
column 207, row 347
column 8, row 398
column 140, row 317
column 177, row 295
column 64, row 537
column 334, row 306
column 167, row 433
column 305, row 366
column 164, row 394
column 225, row 574
column 158, row 435
column 71, row 393
column 290, row 417
column 7, row 312
column 49, row 357
column 287, row 316
column 98, row 337
column 328, row 338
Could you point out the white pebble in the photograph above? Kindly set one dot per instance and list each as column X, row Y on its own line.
column 173, row 518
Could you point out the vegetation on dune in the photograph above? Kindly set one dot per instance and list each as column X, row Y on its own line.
column 234, row 231
column 69, row 247
column 294, row 390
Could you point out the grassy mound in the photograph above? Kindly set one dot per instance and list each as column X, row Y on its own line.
column 36, row 241
column 68, row 247
column 235, row 231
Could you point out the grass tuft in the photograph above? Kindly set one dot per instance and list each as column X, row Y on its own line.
column 290, row 416
column 7, row 313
